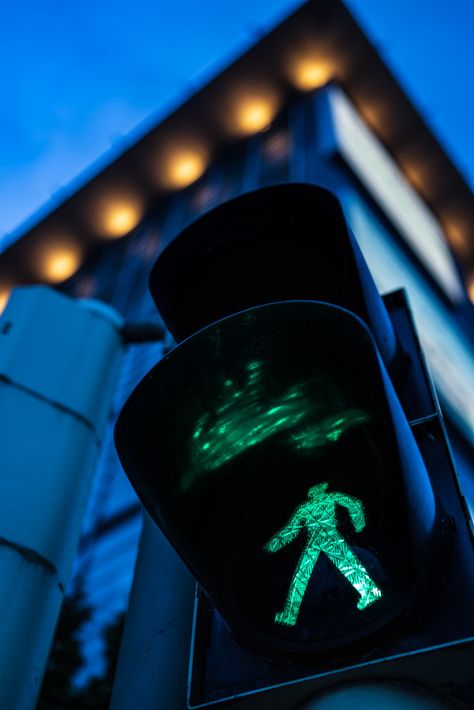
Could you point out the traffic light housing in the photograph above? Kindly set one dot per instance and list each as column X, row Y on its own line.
column 271, row 446
column 288, row 242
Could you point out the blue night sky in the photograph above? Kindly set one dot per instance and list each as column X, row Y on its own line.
column 78, row 76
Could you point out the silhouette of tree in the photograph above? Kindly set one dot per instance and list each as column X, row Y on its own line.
column 66, row 659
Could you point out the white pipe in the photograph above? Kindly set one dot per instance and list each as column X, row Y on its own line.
column 59, row 360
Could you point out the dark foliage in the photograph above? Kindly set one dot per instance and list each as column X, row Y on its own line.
column 66, row 658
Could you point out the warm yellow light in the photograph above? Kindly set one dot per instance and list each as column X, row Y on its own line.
column 4, row 298
column 183, row 166
column 415, row 176
column 118, row 216
column 470, row 289
column 372, row 116
column 255, row 113
column 418, row 173
column 310, row 73
column 457, row 235
column 59, row 260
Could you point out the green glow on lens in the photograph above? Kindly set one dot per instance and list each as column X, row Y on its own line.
column 329, row 429
column 317, row 516
column 243, row 417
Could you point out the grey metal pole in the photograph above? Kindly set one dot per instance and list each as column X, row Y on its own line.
column 152, row 670
column 367, row 696
column 59, row 360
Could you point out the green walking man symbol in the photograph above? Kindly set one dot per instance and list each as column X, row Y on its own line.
column 317, row 516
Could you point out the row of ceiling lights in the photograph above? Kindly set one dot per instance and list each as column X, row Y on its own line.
column 57, row 258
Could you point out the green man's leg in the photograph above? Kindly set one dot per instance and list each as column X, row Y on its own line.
column 340, row 555
column 297, row 589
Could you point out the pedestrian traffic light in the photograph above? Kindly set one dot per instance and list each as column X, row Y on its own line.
column 271, row 446
column 286, row 451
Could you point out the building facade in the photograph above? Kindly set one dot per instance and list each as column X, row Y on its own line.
column 312, row 102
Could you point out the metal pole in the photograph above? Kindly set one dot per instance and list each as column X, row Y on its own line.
column 152, row 670
column 59, row 360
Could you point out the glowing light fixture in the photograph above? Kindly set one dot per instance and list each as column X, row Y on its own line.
column 254, row 112
column 4, row 297
column 470, row 289
column 251, row 109
column 117, row 216
column 181, row 167
column 415, row 175
column 457, row 234
column 310, row 73
column 58, row 260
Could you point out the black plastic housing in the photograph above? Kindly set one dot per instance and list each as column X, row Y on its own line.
column 279, row 243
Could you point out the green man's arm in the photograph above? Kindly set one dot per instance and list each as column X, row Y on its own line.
column 355, row 508
column 287, row 533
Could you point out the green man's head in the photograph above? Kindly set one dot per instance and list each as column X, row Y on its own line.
column 316, row 491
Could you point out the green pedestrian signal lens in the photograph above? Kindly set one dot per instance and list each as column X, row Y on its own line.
column 265, row 448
